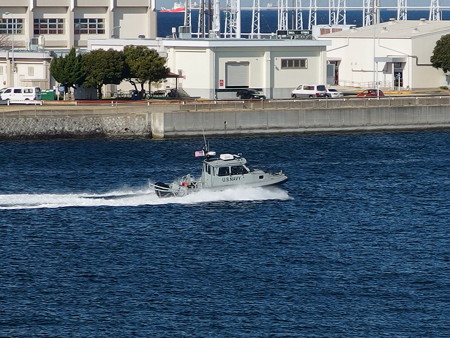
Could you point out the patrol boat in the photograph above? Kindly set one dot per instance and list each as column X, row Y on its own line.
column 219, row 173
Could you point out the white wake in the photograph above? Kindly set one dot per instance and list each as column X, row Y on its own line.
column 130, row 198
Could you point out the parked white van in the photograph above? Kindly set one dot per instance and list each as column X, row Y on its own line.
column 21, row 94
column 309, row 91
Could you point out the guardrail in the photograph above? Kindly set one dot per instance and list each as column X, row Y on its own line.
column 210, row 105
column 328, row 103
column 10, row 102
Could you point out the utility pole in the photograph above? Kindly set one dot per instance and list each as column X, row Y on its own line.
column 402, row 10
column 256, row 16
column 435, row 11
column 312, row 14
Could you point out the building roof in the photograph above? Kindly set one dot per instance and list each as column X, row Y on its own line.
column 213, row 43
column 160, row 44
column 395, row 29
column 26, row 55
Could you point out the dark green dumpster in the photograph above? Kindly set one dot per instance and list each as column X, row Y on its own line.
column 48, row 95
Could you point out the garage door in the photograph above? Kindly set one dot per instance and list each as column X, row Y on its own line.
column 237, row 75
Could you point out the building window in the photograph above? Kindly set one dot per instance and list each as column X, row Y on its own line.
column 11, row 26
column 48, row 26
column 294, row 63
column 89, row 26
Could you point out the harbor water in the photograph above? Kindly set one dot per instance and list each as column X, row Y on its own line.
column 269, row 19
column 356, row 243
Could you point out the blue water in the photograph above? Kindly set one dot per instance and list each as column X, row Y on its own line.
column 269, row 19
column 356, row 243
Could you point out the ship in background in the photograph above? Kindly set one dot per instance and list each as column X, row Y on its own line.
column 177, row 8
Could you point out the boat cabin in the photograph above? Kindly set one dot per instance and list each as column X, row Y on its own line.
column 223, row 170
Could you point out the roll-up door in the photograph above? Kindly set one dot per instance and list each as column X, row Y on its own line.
column 237, row 74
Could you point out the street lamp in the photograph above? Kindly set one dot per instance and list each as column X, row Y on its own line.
column 375, row 21
column 12, row 44
column 112, row 31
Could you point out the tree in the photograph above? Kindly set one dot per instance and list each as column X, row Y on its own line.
column 144, row 65
column 103, row 67
column 441, row 54
column 68, row 70
column 158, row 70
column 133, row 59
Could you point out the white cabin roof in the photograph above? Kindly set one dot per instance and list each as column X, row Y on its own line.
column 226, row 160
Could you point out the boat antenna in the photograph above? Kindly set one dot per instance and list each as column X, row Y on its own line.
column 205, row 147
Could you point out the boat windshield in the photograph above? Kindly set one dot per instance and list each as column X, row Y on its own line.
column 239, row 170
column 234, row 170
column 223, row 171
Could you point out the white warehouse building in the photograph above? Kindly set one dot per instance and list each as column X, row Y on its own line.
column 394, row 54
column 215, row 68
column 25, row 69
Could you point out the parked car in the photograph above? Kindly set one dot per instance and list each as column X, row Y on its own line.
column 370, row 93
column 309, row 91
column 333, row 93
column 245, row 94
column 21, row 93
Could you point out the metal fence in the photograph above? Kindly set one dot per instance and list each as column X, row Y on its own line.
column 315, row 103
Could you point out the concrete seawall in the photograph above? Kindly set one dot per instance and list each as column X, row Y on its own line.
column 299, row 121
column 74, row 122
column 27, row 127
column 222, row 118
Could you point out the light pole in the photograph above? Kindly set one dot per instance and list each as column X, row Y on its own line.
column 375, row 65
column 12, row 46
column 112, row 31
column 375, row 20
